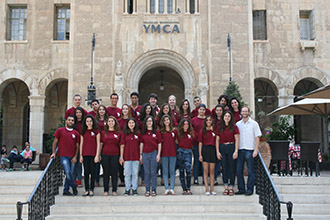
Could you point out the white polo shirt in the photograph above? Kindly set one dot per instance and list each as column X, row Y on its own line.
column 248, row 131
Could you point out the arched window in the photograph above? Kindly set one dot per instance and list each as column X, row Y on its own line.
column 161, row 6
column 130, row 6
column 192, row 6
column 169, row 6
column 152, row 6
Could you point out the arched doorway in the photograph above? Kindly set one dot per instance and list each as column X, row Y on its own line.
column 266, row 100
column 55, row 105
column 16, row 113
column 308, row 127
column 164, row 82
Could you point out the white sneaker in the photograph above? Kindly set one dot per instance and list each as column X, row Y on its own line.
column 172, row 192
column 167, row 192
column 213, row 193
column 207, row 193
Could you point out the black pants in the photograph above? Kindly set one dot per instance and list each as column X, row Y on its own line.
column 110, row 168
column 14, row 158
column 121, row 173
column 89, row 169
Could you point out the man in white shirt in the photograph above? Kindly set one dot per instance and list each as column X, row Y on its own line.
column 248, row 149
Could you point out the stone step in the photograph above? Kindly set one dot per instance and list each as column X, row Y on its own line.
column 307, row 198
column 152, row 216
column 11, row 210
column 11, row 217
column 308, row 209
column 307, row 217
column 302, row 189
column 155, row 207
column 286, row 180
column 13, row 190
column 13, row 199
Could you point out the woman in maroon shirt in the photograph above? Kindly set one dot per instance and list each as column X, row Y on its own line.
column 146, row 110
column 228, row 139
column 207, row 153
column 165, row 109
column 130, row 155
column 168, row 153
column 79, row 114
column 235, row 108
column 185, row 110
column 184, row 154
column 125, row 114
column 218, row 111
column 102, row 117
column 110, row 154
column 150, row 150
column 89, row 149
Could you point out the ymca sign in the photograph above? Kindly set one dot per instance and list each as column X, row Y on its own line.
column 161, row 27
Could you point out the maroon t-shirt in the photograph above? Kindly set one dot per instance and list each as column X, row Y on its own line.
column 208, row 138
column 67, row 141
column 136, row 112
column 101, row 125
column 237, row 116
column 92, row 113
column 169, row 146
column 70, row 111
column 111, row 143
column 132, row 146
column 78, row 127
column 197, row 124
column 114, row 112
column 90, row 144
column 122, row 123
column 176, row 115
column 227, row 136
column 150, row 141
column 186, row 141
column 194, row 113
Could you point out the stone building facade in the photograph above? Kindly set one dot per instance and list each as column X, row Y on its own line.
column 141, row 44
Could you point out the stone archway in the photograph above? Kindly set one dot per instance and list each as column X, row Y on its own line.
column 165, row 58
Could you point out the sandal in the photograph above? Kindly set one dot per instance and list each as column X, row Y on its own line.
column 231, row 192
column 91, row 193
column 114, row 194
column 189, row 192
column 106, row 194
column 226, row 192
column 147, row 194
column 184, row 192
column 153, row 194
column 86, row 194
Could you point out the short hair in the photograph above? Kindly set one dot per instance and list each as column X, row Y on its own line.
column 135, row 93
column 172, row 96
column 201, row 106
column 153, row 95
column 112, row 94
column 70, row 116
column 197, row 97
column 76, row 95
column 246, row 107
column 14, row 146
column 95, row 100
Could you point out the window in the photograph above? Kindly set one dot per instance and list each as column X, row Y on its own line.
column 192, row 6
column 152, row 6
column 259, row 25
column 130, row 7
column 62, row 21
column 169, row 6
column 161, row 6
column 307, row 25
column 17, row 23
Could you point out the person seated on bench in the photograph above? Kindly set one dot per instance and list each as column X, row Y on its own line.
column 27, row 158
column 14, row 157
column 33, row 155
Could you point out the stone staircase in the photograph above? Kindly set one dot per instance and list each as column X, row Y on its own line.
column 15, row 186
column 310, row 196
column 196, row 206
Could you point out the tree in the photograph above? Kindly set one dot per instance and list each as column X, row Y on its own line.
column 232, row 90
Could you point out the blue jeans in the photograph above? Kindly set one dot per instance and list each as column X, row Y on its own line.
column 77, row 171
column 97, row 172
column 217, row 169
column 150, row 169
column 68, row 168
column 197, row 164
column 245, row 155
column 131, row 170
column 184, row 161
column 168, row 164
column 228, row 172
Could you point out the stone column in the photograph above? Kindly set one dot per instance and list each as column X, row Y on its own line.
column 125, row 7
column 165, row 6
column 135, row 7
column 119, row 83
column 156, row 6
column 196, row 2
column 37, row 106
column 188, row 7
column 203, row 84
column 148, row 7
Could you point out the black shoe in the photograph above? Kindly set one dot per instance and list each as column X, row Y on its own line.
column 240, row 193
column 196, row 182
column 216, row 183
column 67, row 194
column 249, row 193
column 75, row 191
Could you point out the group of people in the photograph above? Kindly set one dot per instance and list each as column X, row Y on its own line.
column 224, row 137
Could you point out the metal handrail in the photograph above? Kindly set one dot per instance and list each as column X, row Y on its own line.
column 43, row 194
column 269, row 197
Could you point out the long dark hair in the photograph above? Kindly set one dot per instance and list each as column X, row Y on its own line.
column 181, row 131
column 116, row 127
column 181, row 109
column 143, row 114
column 162, row 127
column 84, row 126
column 75, row 116
column 231, row 125
column 144, row 127
column 161, row 113
column 105, row 114
column 216, row 120
column 129, row 114
column 231, row 108
column 127, row 130
column 204, row 124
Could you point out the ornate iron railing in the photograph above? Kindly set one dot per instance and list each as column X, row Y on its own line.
column 268, row 195
column 43, row 194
